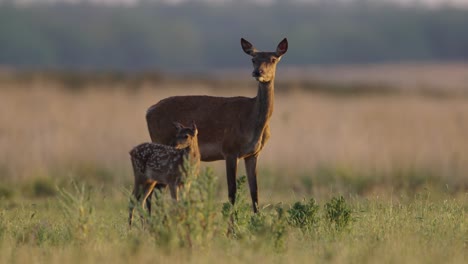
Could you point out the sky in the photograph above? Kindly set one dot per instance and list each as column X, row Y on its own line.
column 428, row 2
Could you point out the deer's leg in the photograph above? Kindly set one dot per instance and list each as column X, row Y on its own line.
column 231, row 171
column 251, row 169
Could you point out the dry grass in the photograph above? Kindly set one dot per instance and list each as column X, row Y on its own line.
column 375, row 131
column 49, row 131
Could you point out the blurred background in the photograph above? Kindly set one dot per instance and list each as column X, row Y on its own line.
column 202, row 35
column 371, row 95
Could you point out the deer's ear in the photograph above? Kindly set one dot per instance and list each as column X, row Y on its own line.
column 178, row 125
column 247, row 47
column 282, row 47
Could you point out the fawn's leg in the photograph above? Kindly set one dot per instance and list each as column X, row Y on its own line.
column 173, row 189
column 148, row 190
column 251, row 169
column 148, row 202
column 136, row 195
column 158, row 187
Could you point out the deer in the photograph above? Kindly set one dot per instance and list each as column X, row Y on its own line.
column 231, row 128
column 156, row 163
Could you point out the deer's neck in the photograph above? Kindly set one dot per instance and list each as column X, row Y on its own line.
column 263, row 108
column 264, row 102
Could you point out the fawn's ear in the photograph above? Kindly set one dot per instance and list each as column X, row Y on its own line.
column 247, row 47
column 194, row 128
column 282, row 47
column 178, row 125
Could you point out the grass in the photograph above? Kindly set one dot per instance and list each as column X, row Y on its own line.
column 373, row 177
column 83, row 225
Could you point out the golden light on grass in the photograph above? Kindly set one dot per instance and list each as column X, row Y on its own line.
column 45, row 129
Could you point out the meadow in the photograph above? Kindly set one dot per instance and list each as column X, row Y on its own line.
column 355, row 171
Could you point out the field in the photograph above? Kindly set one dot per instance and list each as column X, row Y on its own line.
column 395, row 151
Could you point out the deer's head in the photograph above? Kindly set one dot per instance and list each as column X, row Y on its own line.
column 185, row 136
column 264, row 63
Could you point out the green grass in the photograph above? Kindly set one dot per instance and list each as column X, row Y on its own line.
column 82, row 224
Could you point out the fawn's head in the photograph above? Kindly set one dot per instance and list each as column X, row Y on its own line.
column 185, row 136
column 264, row 63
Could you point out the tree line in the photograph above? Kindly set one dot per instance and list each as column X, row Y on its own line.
column 201, row 36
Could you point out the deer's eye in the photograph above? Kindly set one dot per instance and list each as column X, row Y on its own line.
column 273, row 60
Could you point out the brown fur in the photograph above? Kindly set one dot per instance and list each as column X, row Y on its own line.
column 231, row 128
column 155, row 163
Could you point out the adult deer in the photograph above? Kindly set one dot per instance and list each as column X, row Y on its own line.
column 230, row 128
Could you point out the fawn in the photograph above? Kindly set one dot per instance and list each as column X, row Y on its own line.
column 156, row 163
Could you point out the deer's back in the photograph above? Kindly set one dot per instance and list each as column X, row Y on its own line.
column 213, row 116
